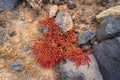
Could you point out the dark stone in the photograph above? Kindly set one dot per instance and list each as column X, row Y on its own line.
column 94, row 18
column 109, row 28
column 2, row 24
column 45, row 1
column 71, row 5
column 84, row 37
column 36, row 15
column 107, row 54
column 12, row 33
column 16, row 66
column 43, row 29
column 59, row 2
column 9, row 4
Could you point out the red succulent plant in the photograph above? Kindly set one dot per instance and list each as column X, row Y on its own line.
column 58, row 46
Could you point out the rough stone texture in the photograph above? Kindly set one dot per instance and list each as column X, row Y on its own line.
column 83, row 72
column 64, row 21
column 108, row 57
column 109, row 28
column 114, row 11
column 8, row 4
column 84, row 37
column 53, row 11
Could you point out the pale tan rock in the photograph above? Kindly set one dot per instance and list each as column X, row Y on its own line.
column 53, row 11
column 114, row 11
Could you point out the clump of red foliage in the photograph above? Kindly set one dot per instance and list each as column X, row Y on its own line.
column 58, row 46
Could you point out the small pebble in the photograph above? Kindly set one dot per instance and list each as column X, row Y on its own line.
column 12, row 33
column 36, row 15
column 45, row 1
column 16, row 66
column 71, row 5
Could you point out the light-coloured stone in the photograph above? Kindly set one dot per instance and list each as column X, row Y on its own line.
column 64, row 21
column 86, row 72
column 114, row 11
column 53, row 11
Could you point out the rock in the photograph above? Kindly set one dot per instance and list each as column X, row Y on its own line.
column 64, row 21
column 45, row 1
column 43, row 29
column 8, row 4
column 83, row 72
column 13, row 33
column 107, row 54
column 84, row 37
column 71, row 5
column 53, row 11
column 22, row 24
column 114, row 11
column 109, row 28
column 17, row 66
column 59, row 2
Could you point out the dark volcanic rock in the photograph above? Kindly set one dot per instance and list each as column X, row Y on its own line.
column 45, row 1
column 71, row 5
column 8, row 4
column 109, row 28
column 59, row 2
column 108, row 57
column 84, row 37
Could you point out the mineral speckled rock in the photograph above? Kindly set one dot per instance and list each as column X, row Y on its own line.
column 109, row 28
column 53, row 11
column 107, row 54
column 84, row 37
column 83, row 72
column 64, row 21
column 8, row 4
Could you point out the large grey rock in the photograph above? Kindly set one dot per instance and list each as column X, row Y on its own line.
column 109, row 28
column 8, row 4
column 64, row 21
column 83, row 72
column 84, row 37
column 108, row 56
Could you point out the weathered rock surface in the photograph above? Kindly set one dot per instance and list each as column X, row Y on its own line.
column 64, row 21
column 53, row 11
column 83, row 72
column 108, row 57
column 109, row 28
column 84, row 37
column 114, row 11
column 8, row 4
